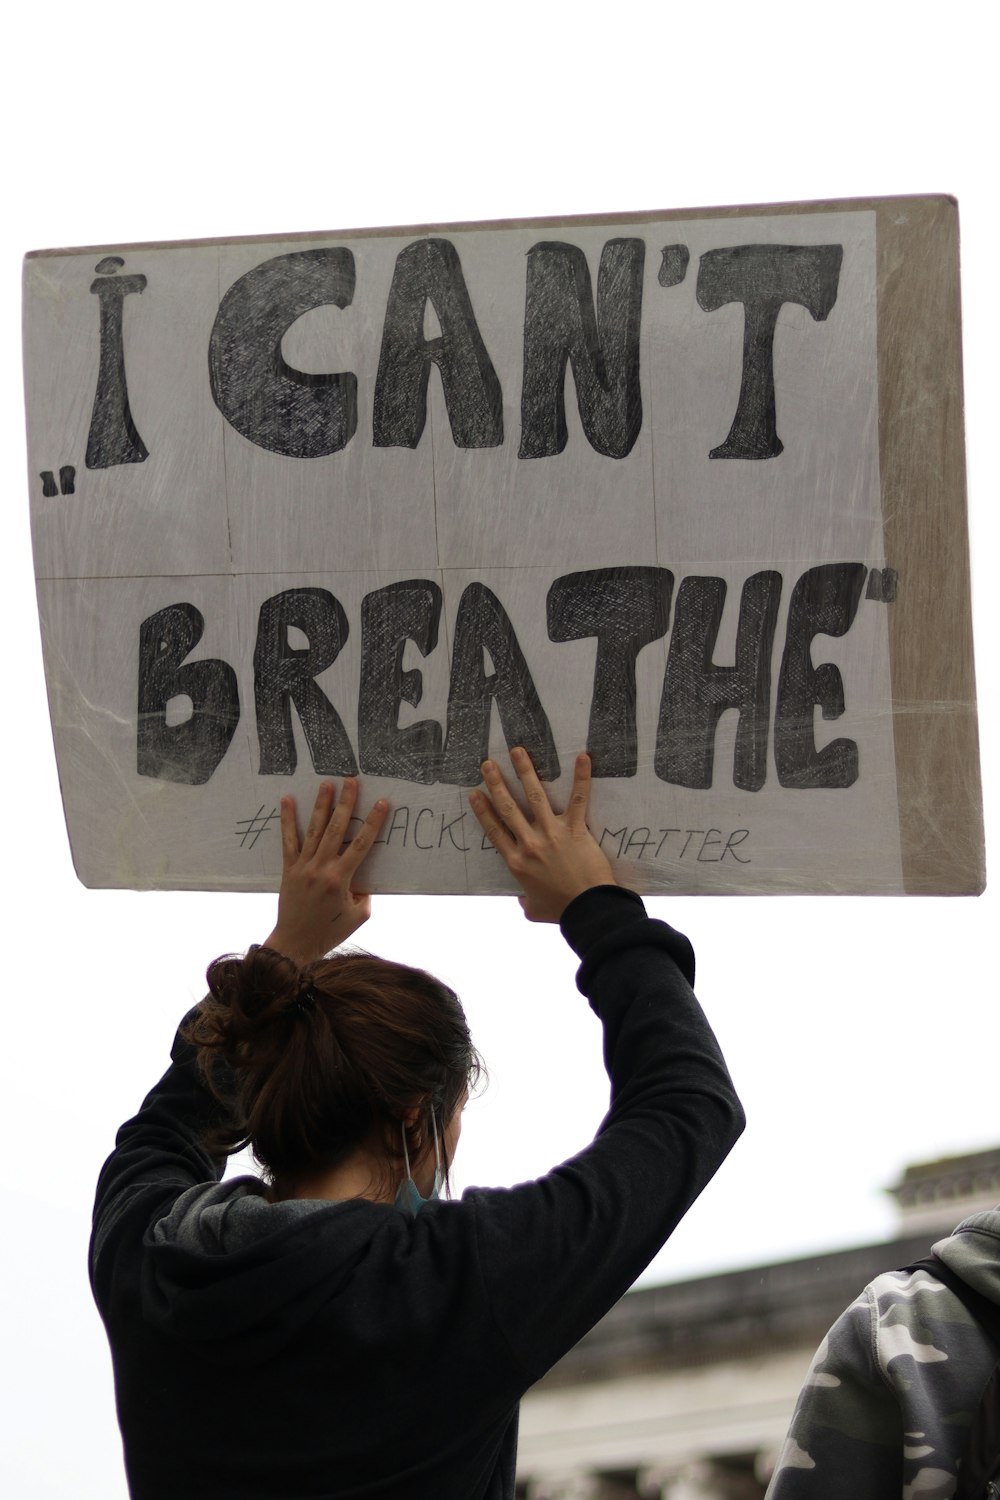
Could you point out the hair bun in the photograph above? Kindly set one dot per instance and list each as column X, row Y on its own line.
column 253, row 993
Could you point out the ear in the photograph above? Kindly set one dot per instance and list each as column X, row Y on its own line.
column 411, row 1116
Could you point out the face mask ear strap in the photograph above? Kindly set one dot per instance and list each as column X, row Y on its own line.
column 438, row 1173
column 438, row 1168
column 408, row 1196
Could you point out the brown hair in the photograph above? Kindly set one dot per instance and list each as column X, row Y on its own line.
column 310, row 1062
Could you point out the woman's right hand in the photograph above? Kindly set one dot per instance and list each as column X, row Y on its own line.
column 553, row 856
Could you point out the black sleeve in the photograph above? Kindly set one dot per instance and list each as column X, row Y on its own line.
column 558, row 1253
column 157, row 1155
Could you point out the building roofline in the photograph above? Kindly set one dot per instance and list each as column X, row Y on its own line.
column 711, row 1317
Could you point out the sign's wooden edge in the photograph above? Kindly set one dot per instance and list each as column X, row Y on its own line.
column 922, row 464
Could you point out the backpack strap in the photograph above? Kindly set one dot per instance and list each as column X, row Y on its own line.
column 980, row 1461
column 985, row 1312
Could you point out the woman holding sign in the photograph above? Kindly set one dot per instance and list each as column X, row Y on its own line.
column 337, row 1330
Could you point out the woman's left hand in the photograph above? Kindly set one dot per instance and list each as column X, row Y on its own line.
column 317, row 906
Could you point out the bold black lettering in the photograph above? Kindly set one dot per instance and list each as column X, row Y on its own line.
column 391, row 616
column 284, row 674
column 625, row 608
column 187, row 752
column 277, row 407
column 430, row 271
column 824, row 602
column 113, row 437
column 560, row 325
column 696, row 693
column 483, row 625
column 763, row 278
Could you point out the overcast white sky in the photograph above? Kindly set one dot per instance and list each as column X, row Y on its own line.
column 862, row 1033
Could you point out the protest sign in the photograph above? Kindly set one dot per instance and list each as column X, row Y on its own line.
column 686, row 490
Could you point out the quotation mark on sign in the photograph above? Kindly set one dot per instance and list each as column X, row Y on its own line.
column 882, row 584
column 673, row 265
column 249, row 830
column 67, row 481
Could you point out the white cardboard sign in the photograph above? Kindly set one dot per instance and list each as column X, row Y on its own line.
column 385, row 502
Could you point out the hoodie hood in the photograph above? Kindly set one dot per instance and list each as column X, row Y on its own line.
column 239, row 1276
column 973, row 1252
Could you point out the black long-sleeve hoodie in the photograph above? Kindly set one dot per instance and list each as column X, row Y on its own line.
column 309, row 1350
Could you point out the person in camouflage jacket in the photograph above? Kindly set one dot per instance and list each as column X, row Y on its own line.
column 886, row 1407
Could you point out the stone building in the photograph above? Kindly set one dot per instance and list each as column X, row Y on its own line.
column 684, row 1391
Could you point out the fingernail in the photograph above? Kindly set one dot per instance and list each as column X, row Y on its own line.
column 487, row 767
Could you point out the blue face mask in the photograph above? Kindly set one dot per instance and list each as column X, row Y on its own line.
column 408, row 1196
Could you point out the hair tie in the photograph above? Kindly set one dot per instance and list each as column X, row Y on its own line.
column 305, row 1000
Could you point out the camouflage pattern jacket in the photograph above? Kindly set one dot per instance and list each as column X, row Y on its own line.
column 885, row 1411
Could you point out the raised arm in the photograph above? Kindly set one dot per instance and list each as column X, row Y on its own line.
column 558, row 1252
column 159, row 1152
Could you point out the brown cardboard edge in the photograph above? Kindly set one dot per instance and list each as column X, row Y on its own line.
column 922, row 461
